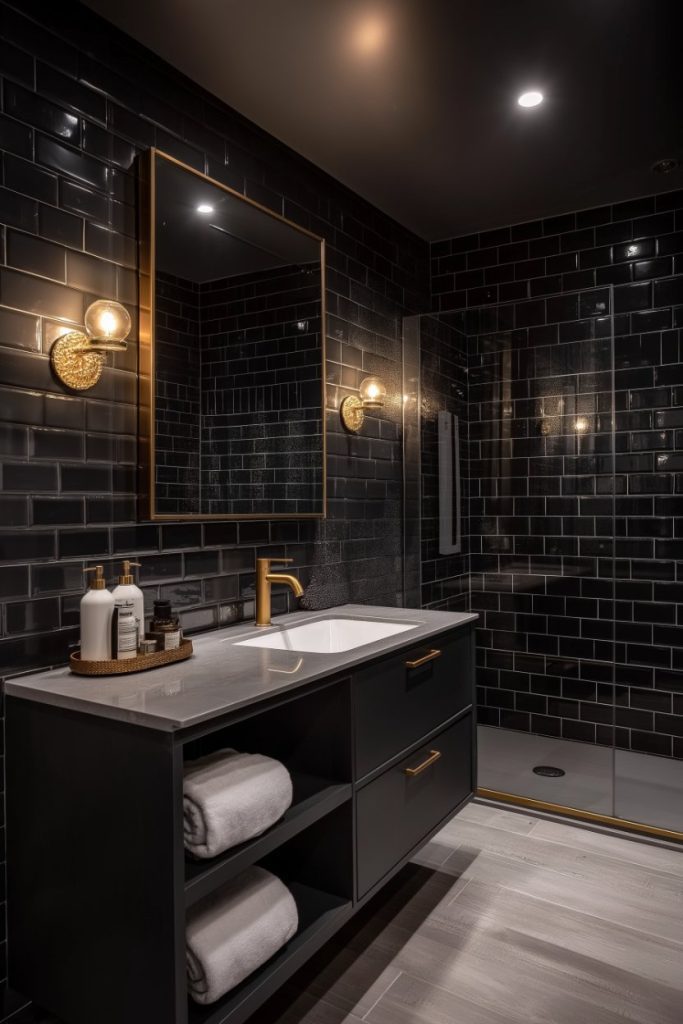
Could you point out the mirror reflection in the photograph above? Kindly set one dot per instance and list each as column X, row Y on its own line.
column 237, row 378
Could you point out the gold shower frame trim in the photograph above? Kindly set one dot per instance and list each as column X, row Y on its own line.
column 656, row 831
column 147, row 302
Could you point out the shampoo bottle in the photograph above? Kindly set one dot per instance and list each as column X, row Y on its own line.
column 97, row 607
column 127, row 594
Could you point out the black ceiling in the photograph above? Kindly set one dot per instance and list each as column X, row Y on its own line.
column 412, row 103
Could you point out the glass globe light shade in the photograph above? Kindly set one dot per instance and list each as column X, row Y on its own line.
column 372, row 392
column 107, row 325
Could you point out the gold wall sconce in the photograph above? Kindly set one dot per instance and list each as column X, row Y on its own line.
column 77, row 357
column 372, row 392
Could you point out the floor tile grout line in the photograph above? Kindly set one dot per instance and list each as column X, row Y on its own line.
column 459, row 892
column 451, row 992
column 381, row 996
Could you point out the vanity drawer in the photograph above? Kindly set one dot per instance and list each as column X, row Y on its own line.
column 395, row 811
column 400, row 700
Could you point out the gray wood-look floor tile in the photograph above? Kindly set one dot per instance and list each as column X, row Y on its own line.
column 413, row 1001
column 644, row 854
column 516, row 957
column 642, row 909
column 524, row 921
column 594, row 863
column 494, row 817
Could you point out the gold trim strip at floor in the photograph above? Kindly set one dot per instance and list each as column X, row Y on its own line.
column 574, row 812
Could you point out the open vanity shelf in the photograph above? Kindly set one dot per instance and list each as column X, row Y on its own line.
column 313, row 799
column 380, row 758
column 322, row 910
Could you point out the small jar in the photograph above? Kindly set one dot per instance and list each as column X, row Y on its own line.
column 165, row 627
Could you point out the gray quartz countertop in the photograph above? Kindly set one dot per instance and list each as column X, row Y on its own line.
column 221, row 677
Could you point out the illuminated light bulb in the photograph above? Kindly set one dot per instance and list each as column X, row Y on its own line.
column 372, row 393
column 107, row 325
column 205, row 208
column 581, row 425
column 530, row 99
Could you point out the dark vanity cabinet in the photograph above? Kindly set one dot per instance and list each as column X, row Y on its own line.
column 99, row 885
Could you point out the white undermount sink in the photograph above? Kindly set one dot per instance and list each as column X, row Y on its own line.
column 328, row 636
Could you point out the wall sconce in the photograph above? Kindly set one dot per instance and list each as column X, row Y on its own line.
column 372, row 392
column 77, row 358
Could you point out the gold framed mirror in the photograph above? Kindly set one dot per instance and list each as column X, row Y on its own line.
column 232, row 353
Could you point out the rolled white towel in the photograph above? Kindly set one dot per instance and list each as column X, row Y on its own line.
column 235, row 930
column 230, row 797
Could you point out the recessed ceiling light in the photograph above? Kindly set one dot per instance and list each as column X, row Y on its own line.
column 204, row 208
column 665, row 166
column 530, row 99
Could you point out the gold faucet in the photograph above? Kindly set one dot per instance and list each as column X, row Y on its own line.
column 264, row 578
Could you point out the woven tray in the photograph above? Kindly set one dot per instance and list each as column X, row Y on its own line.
column 124, row 666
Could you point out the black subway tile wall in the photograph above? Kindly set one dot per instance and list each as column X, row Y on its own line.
column 178, row 396
column 80, row 100
column 261, row 429
column 238, row 385
column 575, row 469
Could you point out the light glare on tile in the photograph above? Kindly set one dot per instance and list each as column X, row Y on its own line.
column 531, row 98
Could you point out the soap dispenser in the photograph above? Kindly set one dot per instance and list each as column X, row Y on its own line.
column 128, row 597
column 97, row 608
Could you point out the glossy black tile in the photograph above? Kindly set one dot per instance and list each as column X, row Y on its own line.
column 65, row 90
column 14, row 581
column 26, row 252
column 91, row 275
column 632, row 297
column 57, row 511
column 72, row 164
column 29, row 477
column 60, row 226
column 33, row 109
column 32, row 616
column 24, row 292
column 668, row 292
column 83, row 543
column 16, row 138
column 26, row 547
column 16, row 64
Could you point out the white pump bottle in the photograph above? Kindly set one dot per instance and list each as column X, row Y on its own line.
column 97, row 608
column 127, row 594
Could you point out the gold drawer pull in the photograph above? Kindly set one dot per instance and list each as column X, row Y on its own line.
column 429, row 656
column 434, row 755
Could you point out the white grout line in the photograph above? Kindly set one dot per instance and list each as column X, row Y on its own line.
column 393, row 982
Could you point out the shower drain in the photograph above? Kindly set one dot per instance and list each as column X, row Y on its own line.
column 548, row 771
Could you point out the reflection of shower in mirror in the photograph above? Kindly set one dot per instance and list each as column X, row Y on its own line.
column 449, row 484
